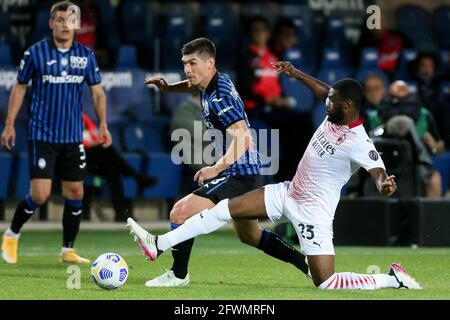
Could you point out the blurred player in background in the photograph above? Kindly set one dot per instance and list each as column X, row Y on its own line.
column 58, row 68
column 111, row 166
column 338, row 148
column 236, row 172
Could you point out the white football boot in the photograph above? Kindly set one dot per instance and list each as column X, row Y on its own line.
column 145, row 240
column 168, row 279
column 405, row 281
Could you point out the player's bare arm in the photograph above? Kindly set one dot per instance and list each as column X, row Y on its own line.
column 180, row 87
column 385, row 184
column 15, row 102
column 99, row 99
column 318, row 88
column 242, row 140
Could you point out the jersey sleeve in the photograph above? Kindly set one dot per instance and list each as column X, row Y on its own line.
column 26, row 68
column 366, row 156
column 93, row 75
column 228, row 109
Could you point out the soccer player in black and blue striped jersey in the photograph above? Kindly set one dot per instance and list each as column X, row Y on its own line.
column 236, row 171
column 58, row 68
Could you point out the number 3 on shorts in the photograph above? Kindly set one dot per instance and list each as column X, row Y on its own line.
column 82, row 152
column 309, row 229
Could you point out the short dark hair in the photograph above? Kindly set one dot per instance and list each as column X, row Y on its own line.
column 202, row 46
column 60, row 6
column 350, row 89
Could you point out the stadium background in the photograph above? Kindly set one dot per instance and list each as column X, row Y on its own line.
column 135, row 38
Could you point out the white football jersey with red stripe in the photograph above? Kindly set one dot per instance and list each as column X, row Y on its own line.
column 334, row 153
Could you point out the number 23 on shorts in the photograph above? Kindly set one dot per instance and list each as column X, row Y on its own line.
column 306, row 231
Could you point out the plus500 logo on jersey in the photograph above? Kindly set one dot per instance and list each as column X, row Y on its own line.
column 78, row 62
column 62, row 79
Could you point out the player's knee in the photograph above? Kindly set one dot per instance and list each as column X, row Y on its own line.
column 75, row 193
column 178, row 213
column 40, row 197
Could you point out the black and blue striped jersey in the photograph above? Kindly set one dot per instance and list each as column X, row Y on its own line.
column 222, row 107
column 57, row 78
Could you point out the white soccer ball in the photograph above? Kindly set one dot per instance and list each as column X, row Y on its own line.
column 109, row 271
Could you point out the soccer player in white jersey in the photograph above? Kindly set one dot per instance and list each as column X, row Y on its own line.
column 338, row 148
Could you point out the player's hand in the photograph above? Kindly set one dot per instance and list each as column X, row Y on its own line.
column 105, row 138
column 9, row 137
column 388, row 187
column 285, row 67
column 157, row 81
column 205, row 174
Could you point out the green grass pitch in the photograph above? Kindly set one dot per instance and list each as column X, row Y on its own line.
column 221, row 268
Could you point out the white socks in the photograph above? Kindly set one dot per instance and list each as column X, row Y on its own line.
column 9, row 233
column 65, row 250
column 350, row 280
column 204, row 222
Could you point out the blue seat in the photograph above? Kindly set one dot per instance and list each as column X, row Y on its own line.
column 303, row 97
column 407, row 56
column 5, row 173
column 129, row 183
column 331, row 75
column 442, row 25
column 108, row 24
column 175, row 37
column 319, row 114
column 445, row 58
column 441, row 163
column 142, row 138
column 41, row 29
column 369, row 58
column 332, row 58
column 127, row 57
column 335, row 38
column 22, row 178
column 138, row 22
column 21, row 136
column 221, row 25
column 129, row 97
column 299, row 59
column 444, row 90
column 415, row 22
column 5, row 55
column 160, row 165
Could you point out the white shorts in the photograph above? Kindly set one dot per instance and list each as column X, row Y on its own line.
column 316, row 237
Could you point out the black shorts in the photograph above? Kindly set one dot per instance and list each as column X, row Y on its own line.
column 64, row 161
column 223, row 187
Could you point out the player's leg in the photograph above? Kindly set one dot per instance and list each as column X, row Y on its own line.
column 316, row 241
column 39, row 192
column 324, row 277
column 181, row 211
column 249, row 205
column 71, row 168
column 73, row 212
column 249, row 232
column 41, row 163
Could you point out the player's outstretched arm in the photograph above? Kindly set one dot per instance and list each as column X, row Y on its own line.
column 15, row 102
column 181, row 86
column 318, row 88
column 385, row 184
